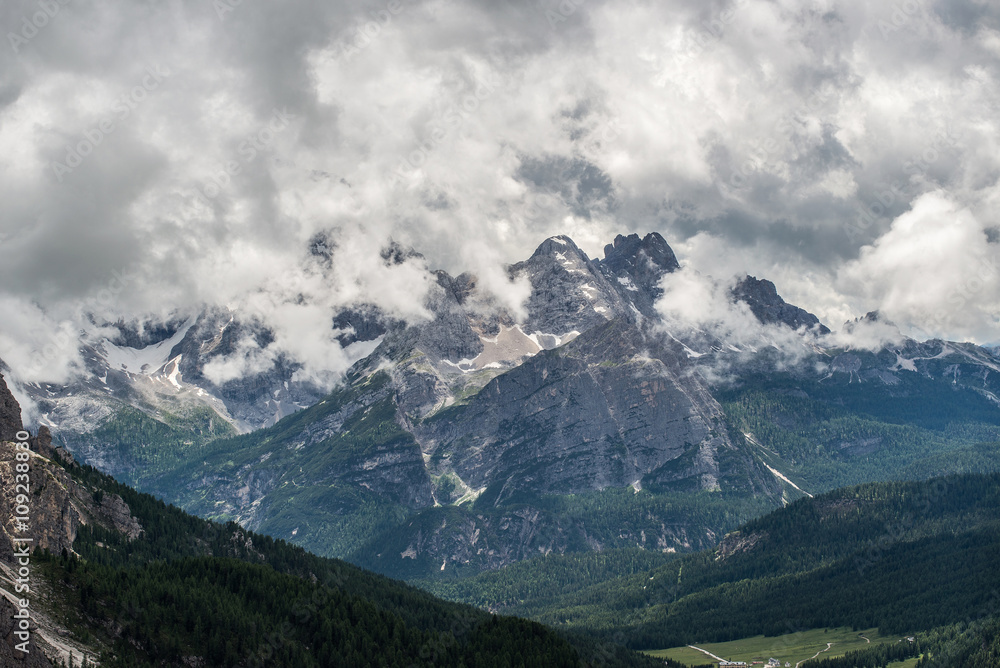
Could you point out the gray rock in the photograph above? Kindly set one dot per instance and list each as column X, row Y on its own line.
column 10, row 413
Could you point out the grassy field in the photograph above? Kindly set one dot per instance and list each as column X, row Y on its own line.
column 793, row 648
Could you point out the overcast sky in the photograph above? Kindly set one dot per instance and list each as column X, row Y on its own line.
column 160, row 154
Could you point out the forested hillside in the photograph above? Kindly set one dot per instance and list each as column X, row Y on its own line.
column 829, row 432
column 189, row 590
column 902, row 556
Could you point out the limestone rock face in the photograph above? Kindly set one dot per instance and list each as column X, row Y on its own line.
column 606, row 410
column 568, row 291
column 765, row 303
column 59, row 506
column 10, row 413
column 635, row 266
column 11, row 657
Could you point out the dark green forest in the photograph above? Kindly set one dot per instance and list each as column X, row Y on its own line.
column 188, row 588
column 902, row 557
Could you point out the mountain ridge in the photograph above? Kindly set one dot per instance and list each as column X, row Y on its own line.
column 502, row 417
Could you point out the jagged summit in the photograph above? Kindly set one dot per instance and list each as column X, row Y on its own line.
column 636, row 266
column 768, row 306
column 627, row 253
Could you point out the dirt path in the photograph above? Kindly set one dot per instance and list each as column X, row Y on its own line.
column 828, row 646
column 705, row 651
column 866, row 639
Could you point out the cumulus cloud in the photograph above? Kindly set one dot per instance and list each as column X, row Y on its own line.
column 935, row 269
column 197, row 151
column 701, row 310
column 871, row 333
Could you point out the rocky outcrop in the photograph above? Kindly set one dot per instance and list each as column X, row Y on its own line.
column 59, row 506
column 737, row 542
column 607, row 410
column 10, row 656
column 636, row 266
column 10, row 413
column 765, row 303
column 364, row 322
column 568, row 291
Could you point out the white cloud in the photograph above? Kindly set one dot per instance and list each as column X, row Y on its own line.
column 693, row 305
column 767, row 136
column 933, row 272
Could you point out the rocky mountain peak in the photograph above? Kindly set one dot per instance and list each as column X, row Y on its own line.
column 10, row 413
column 768, row 306
column 395, row 253
column 569, row 291
column 635, row 267
column 627, row 253
column 560, row 244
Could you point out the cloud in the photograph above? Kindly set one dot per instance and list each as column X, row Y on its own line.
column 787, row 136
column 868, row 333
column 699, row 309
column 935, row 271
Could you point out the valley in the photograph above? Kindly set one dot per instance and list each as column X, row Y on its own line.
column 591, row 466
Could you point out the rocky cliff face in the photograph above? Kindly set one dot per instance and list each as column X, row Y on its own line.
column 10, row 413
column 635, row 267
column 581, row 395
column 765, row 303
column 58, row 507
column 609, row 409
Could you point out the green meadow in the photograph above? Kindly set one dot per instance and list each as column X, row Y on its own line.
column 792, row 648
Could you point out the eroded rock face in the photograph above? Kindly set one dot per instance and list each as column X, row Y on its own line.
column 635, row 267
column 606, row 410
column 59, row 506
column 737, row 542
column 10, row 657
column 765, row 303
column 568, row 291
column 10, row 413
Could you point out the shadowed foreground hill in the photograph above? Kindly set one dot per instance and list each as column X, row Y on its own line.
column 124, row 578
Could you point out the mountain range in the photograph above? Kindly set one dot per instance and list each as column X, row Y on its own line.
column 597, row 417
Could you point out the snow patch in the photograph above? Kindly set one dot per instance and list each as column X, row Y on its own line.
column 627, row 282
column 903, row 363
column 550, row 341
column 146, row 361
